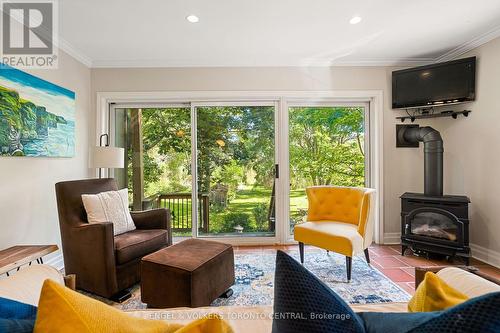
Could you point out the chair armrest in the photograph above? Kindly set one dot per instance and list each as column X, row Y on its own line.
column 89, row 254
column 367, row 217
column 153, row 219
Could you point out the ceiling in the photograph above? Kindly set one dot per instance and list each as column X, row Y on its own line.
column 155, row 33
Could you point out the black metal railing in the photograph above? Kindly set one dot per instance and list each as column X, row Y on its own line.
column 180, row 206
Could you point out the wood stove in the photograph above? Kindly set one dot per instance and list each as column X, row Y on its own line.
column 435, row 224
column 432, row 222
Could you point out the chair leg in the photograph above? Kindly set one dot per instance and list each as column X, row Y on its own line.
column 301, row 250
column 367, row 256
column 348, row 264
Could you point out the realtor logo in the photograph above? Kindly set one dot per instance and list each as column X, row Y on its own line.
column 29, row 33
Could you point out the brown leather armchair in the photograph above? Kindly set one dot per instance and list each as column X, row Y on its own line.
column 105, row 264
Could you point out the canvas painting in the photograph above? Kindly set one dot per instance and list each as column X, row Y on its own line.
column 37, row 118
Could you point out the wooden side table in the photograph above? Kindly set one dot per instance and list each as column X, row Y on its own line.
column 16, row 256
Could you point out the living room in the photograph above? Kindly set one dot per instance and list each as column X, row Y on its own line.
column 327, row 133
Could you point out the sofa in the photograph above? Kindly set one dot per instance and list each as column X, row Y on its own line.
column 25, row 286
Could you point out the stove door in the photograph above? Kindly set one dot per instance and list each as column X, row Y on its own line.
column 434, row 224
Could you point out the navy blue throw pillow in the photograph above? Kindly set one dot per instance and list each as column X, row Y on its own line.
column 16, row 317
column 479, row 314
column 303, row 303
column 395, row 322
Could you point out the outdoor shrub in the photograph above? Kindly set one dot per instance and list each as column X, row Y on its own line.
column 233, row 219
column 260, row 214
column 298, row 216
column 231, row 174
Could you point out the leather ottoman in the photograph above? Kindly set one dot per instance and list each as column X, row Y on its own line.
column 192, row 273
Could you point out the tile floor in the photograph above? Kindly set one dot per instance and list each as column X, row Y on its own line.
column 387, row 259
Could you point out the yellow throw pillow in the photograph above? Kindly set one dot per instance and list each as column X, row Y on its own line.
column 61, row 309
column 433, row 294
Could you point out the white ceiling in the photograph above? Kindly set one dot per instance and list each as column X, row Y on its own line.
column 155, row 33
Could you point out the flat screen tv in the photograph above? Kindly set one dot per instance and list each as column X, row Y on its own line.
column 426, row 86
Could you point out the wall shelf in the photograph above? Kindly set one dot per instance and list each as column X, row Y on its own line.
column 430, row 114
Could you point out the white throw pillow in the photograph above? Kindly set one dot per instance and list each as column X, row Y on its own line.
column 111, row 206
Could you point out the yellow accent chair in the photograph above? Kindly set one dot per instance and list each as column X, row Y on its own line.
column 339, row 219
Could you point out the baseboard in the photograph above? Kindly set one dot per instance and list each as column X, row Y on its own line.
column 392, row 238
column 56, row 261
column 486, row 255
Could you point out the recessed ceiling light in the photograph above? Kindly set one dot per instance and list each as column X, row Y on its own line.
column 355, row 20
column 193, row 18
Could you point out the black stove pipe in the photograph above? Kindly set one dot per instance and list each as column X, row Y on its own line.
column 433, row 157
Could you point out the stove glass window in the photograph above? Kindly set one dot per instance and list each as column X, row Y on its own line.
column 435, row 225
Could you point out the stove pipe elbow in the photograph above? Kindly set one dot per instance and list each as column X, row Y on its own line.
column 433, row 157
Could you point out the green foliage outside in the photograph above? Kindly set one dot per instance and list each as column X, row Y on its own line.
column 260, row 212
column 236, row 151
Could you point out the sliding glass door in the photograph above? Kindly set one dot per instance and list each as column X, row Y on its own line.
column 236, row 164
column 327, row 146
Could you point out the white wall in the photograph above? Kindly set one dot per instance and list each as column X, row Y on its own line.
column 28, row 212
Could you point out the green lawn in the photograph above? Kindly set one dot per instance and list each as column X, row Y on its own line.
column 246, row 199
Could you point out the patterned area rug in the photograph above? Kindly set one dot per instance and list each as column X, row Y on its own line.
column 255, row 278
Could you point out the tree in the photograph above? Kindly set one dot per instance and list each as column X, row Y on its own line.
column 228, row 138
column 326, row 146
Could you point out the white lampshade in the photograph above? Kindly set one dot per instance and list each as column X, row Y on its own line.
column 107, row 157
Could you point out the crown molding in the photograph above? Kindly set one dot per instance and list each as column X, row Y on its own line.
column 387, row 62
column 65, row 46
column 366, row 62
column 470, row 45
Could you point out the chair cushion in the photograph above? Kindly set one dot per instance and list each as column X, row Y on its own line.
column 138, row 243
column 338, row 237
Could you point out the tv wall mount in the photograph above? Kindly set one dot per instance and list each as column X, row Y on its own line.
column 431, row 113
